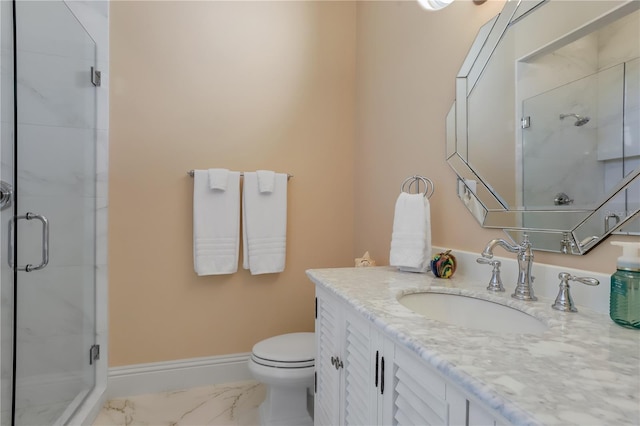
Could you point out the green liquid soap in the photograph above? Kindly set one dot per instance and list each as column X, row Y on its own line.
column 624, row 304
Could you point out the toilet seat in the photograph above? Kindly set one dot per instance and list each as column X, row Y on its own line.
column 293, row 350
column 285, row 364
column 282, row 364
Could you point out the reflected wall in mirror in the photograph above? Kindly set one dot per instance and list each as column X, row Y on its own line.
column 544, row 134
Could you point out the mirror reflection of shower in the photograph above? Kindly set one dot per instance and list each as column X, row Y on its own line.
column 580, row 120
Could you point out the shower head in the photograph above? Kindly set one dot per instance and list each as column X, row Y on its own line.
column 580, row 120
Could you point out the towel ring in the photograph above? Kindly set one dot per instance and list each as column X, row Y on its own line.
column 417, row 180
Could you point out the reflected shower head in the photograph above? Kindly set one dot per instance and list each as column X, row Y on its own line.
column 580, row 120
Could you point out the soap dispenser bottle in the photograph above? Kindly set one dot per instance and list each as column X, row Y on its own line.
column 624, row 304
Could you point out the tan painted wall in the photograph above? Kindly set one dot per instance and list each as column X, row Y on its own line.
column 274, row 85
column 240, row 85
column 407, row 62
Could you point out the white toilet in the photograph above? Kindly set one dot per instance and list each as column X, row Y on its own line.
column 285, row 364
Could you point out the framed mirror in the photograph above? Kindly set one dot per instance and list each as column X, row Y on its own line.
column 545, row 131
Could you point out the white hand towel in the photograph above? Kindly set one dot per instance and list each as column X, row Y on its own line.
column 216, row 225
column 218, row 179
column 411, row 238
column 266, row 180
column 264, row 225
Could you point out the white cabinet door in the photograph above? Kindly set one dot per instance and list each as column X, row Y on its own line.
column 367, row 373
column 463, row 411
column 458, row 407
column 385, row 348
column 359, row 373
column 327, row 386
column 347, row 374
column 418, row 393
column 479, row 417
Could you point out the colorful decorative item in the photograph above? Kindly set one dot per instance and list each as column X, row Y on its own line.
column 443, row 265
column 365, row 260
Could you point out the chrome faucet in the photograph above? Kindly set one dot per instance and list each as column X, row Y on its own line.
column 524, row 288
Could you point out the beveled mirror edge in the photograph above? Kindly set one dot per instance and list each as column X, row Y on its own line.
column 492, row 41
column 450, row 131
column 456, row 144
column 477, row 45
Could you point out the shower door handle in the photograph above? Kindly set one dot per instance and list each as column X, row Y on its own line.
column 45, row 241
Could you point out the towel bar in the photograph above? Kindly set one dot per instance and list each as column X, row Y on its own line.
column 191, row 173
column 429, row 187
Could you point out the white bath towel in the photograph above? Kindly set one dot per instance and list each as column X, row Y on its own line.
column 411, row 238
column 216, row 225
column 218, row 179
column 264, row 225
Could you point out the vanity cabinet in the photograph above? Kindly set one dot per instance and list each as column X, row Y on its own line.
column 364, row 378
column 349, row 366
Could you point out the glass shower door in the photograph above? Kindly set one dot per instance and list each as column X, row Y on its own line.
column 6, row 210
column 54, row 223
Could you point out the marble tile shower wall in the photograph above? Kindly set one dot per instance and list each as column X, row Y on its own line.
column 632, row 136
column 54, row 127
column 619, row 43
column 593, row 55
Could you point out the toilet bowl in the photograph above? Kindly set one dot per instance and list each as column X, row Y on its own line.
column 285, row 364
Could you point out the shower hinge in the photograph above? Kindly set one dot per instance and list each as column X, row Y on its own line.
column 94, row 354
column 96, row 77
column 525, row 123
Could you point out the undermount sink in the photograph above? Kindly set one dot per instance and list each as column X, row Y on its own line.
column 471, row 312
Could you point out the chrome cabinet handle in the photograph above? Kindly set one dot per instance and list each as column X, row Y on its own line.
column 336, row 362
column 45, row 241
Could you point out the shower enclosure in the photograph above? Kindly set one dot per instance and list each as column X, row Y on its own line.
column 571, row 161
column 48, row 218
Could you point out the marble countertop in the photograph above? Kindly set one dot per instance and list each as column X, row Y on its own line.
column 583, row 370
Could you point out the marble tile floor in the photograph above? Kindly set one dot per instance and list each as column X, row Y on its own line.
column 224, row 404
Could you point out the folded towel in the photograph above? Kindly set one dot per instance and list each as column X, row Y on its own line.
column 218, row 179
column 411, row 238
column 266, row 180
column 216, row 225
column 264, row 225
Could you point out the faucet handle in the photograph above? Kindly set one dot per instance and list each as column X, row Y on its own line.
column 564, row 302
column 495, row 283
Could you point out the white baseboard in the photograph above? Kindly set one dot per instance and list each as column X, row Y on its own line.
column 169, row 376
